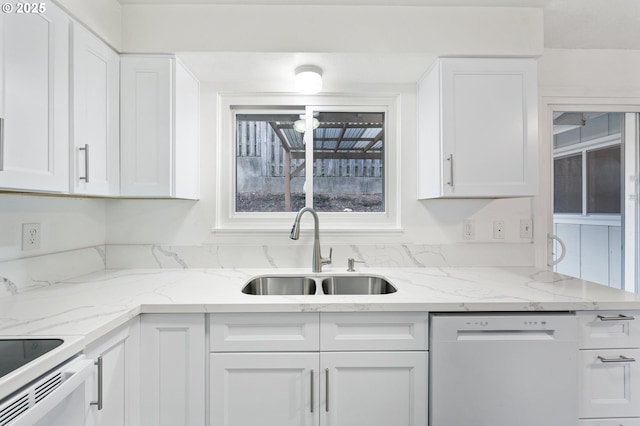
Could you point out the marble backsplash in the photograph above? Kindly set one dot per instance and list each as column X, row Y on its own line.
column 25, row 274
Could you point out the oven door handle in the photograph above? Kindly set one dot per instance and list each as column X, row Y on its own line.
column 76, row 372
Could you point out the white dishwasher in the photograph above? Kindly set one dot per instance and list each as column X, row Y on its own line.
column 503, row 370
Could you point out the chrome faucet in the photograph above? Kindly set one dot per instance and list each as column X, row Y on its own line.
column 317, row 260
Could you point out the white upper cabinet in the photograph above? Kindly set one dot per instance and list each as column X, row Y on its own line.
column 160, row 120
column 95, row 157
column 478, row 128
column 34, row 149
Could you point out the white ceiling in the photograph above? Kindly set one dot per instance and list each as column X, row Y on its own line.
column 592, row 24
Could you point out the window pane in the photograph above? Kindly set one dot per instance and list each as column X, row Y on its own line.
column 567, row 184
column 604, row 180
column 269, row 173
column 348, row 172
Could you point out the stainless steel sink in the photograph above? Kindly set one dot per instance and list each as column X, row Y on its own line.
column 271, row 285
column 356, row 284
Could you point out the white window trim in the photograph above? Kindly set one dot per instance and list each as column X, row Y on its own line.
column 228, row 221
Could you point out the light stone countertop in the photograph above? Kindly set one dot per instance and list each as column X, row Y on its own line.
column 86, row 308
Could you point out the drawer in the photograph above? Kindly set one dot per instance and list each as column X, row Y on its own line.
column 374, row 331
column 609, row 329
column 264, row 332
column 610, row 422
column 609, row 383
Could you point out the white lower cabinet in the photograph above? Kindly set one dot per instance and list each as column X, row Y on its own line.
column 264, row 389
column 112, row 391
column 303, row 385
column 172, row 370
column 610, row 383
column 373, row 388
column 610, row 368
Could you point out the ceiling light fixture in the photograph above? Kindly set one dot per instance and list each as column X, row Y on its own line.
column 300, row 126
column 308, row 79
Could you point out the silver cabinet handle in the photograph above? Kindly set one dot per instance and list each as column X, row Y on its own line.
column 450, row 160
column 326, row 390
column 616, row 318
column 312, row 391
column 99, row 401
column 85, row 148
column 620, row 358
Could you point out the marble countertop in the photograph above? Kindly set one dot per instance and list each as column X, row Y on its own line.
column 88, row 307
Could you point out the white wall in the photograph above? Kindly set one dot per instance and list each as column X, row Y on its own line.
column 578, row 79
column 65, row 223
column 256, row 28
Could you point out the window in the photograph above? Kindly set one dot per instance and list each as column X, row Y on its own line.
column 567, row 181
column 270, row 166
column 348, row 161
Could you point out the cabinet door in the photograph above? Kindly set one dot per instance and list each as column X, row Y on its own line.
column 146, row 126
column 477, row 128
column 610, row 384
column 264, row 389
column 35, row 142
column 95, row 167
column 489, row 126
column 374, row 388
column 117, row 353
column 172, row 369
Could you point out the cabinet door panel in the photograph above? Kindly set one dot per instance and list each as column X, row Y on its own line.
column 609, row 329
column 172, row 369
column 610, row 389
column 264, row 332
column 96, row 115
column 36, row 101
column 146, row 126
column 264, row 389
column 397, row 331
column 374, row 388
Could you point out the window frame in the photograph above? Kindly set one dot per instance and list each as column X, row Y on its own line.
column 583, row 149
column 228, row 220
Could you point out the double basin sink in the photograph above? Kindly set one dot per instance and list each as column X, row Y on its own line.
column 310, row 285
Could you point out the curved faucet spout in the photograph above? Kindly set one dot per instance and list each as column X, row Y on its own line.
column 317, row 260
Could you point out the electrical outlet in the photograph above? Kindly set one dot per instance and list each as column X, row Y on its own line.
column 526, row 228
column 30, row 236
column 498, row 230
column 469, row 230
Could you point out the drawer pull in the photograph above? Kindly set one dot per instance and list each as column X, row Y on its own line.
column 312, row 391
column 326, row 389
column 620, row 358
column 617, row 318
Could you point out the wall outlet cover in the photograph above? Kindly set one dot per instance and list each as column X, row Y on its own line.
column 469, row 230
column 30, row 236
column 498, row 230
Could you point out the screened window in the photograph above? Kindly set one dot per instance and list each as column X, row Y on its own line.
column 604, row 180
column 589, row 182
column 567, row 195
column 274, row 159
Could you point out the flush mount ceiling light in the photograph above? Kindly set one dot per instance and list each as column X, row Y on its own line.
column 300, row 126
column 308, row 79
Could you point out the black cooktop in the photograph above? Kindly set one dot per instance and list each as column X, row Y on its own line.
column 14, row 353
